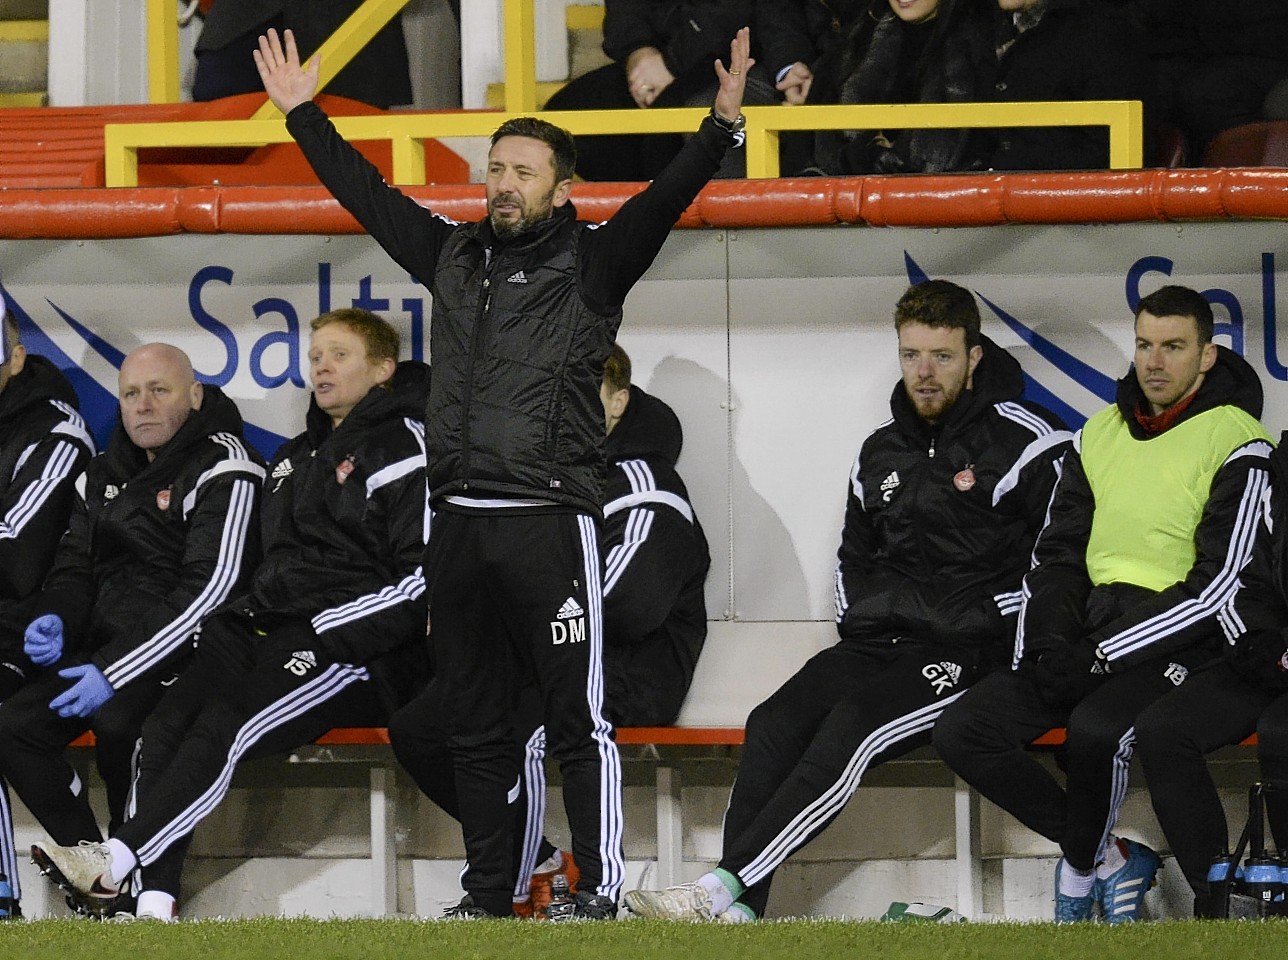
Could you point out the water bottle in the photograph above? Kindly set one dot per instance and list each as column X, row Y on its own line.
column 1261, row 878
column 1220, row 870
column 6, row 898
column 563, row 906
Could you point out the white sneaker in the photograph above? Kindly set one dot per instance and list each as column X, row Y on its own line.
column 83, row 871
column 688, row 901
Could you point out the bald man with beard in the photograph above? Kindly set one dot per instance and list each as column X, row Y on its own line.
column 164, row 528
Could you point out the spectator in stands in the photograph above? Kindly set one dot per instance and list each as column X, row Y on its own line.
column 378, row 74
column 330, row 630
column 527, row 304
column 793, row 34
column 1240, row 694
column 944, row 503
column 914, row 51
column 1065, row 50
column 44, row 446
column 662, row 54
column 1217, row 61
column 162, row 536
column 1137, row 565
column 655, row 623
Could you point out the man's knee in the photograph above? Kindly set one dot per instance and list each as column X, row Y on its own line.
column 1091, row 732
column 219, row 722
column 414, row 737
column 114, row 724
column 1161, row 739
column 25, row 721
column 1272, row 735
column 963, row 730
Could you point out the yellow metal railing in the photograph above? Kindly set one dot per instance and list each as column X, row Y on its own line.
column 341, row 47
column 764, row 124
column 24, row 31
column 163, row 51
column 406, row 132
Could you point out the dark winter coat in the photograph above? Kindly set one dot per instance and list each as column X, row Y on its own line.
column 345, row 521
column 1070, row 624
column 799, row 31
column 689, row 34
column 882, row 59
column 153, row 548
column 940, row 519
column 656, row 560
column 1260, row 650
column 1079, row 50
column 520, row 329
column 44, row 446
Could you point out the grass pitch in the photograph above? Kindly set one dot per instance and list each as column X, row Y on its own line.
column 302, row 939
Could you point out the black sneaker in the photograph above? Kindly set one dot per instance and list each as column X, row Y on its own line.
column 590, row 907
column 467, row 909
column 584, row 906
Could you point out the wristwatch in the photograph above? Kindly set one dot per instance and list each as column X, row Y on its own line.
column 732, row 127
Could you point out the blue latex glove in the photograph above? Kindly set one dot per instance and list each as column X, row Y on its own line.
column 43, row 641
column 83, row 698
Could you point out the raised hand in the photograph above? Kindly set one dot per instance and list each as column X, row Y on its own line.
column 286, row 82
column 734, row 80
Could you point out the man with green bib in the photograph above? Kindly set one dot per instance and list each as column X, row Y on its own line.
column 1131, row 589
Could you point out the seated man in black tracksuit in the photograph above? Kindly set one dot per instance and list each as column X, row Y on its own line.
column 655, row 624
column 162, row 532
column 1133, row 577
column 1243, row 692
column 330, row 632
column 44, row 446
column 944, row 502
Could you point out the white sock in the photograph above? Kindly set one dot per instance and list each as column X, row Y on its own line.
column 123, row 861
column 721, row 896
column 156, row 903
column 1115, row 857
column 1075, row 883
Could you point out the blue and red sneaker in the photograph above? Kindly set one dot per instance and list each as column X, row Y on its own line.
column 1123, row 891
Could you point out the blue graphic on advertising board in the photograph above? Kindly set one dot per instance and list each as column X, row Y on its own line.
column 269, row 372
column 99, row 404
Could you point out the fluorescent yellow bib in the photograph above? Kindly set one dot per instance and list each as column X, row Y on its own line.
column 1150, row 494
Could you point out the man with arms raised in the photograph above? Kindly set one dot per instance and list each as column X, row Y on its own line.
column 526, row 307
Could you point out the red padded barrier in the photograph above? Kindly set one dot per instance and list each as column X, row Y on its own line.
column 918, row 201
